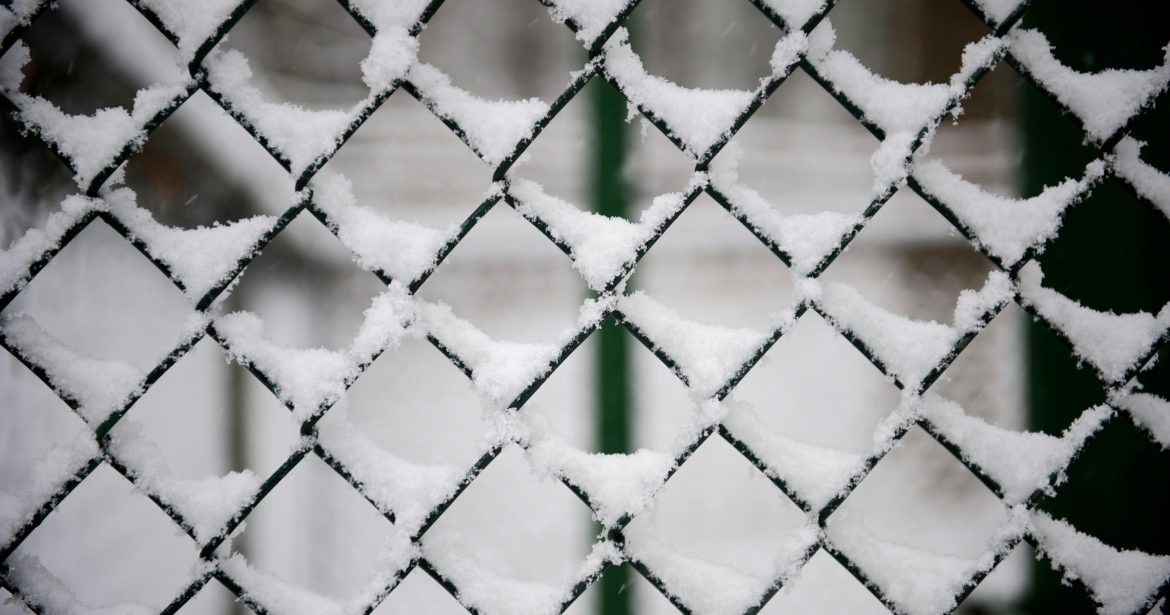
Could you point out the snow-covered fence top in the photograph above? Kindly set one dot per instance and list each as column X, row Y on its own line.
column 1020, row 467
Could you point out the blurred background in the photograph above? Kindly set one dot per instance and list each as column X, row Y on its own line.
column 802, row 151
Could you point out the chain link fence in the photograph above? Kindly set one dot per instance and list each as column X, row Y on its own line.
column 1020, row 468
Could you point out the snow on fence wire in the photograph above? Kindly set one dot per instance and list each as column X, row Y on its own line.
column 1021, row 468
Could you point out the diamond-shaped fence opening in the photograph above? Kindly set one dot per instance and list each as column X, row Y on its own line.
column 389, row 239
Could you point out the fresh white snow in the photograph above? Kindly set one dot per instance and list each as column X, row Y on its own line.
column 807, row 239
column 91, row 142
column 602, row 246
column 18, row 13
column 1121, row 581
column 902, row 111
column 279, row 596
column 1150, row 412
column 591, row 16
column 617, row 484
column 501, row 370
column 49, row 474
column 54, row 596
column 786, row 53
column 909, row 349
column 275, row 594
column 815, row 473
column 697, row 117
column 200, row 258
column 998, row 10
column 409, row 490
column 402, row 250
column 39, row 241
column 400, row 15
column 484, row 589
column 1111, row 343
column 917, row 581
column 311, row 378
column 1020, row 462
column 707, row 355
column 703, row 587
column 97, row 386
column 12, row 66
column 891, row 105
column 1151, row 183
column 191, row 23
column 392, row 52
column 205, row 503
column 894, row 106
column 300, row 135
column 891, row 162
column 1006, row 227
column 1104, row 101
column 493, row 128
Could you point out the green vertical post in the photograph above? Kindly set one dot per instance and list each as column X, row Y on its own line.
column 1111, row 255
column 611, row 197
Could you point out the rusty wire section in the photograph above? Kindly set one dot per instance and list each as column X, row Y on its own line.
column 595, row 39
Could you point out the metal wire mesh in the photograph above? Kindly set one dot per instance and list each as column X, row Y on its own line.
column 92, row 185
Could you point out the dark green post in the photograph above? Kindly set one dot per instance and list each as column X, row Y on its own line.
column 611, row 197
column 1112, row 254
